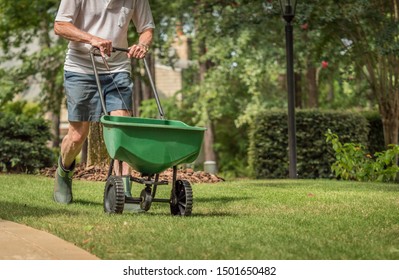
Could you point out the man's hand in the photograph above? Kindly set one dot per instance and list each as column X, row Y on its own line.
column 72, row 33
column 105, row 46
column 140, row 50
column 137, row 51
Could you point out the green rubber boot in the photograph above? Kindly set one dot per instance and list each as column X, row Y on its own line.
column 128, row 186
column 63, row 183
column 130, row 207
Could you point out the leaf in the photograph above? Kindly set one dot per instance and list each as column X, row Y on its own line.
column 88, row 228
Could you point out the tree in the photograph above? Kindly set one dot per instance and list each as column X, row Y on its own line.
column 238, row 60
column 26, row 24
column 368, row 31
column 231, row 62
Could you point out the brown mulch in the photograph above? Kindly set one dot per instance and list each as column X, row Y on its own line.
column 98, row 173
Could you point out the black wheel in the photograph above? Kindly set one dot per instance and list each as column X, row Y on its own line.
column 182, row 199
column 146, row 199
column 114, row 195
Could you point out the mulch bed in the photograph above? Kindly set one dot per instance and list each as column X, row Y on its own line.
column 98, row 173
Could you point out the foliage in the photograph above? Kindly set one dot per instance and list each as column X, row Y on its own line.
column 268, row 155
column 245, row 62
column 30, row 52
column 23, row 107
column 368, row 31
column 353, row 162
column 23, row 139
column 149, row 109
column 245, row 57
column 226, row 83
column 241, row 43
column 18, row 28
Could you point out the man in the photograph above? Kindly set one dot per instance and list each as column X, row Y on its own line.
column 101, row 24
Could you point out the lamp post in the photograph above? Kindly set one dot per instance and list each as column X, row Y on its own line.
column 288, row 8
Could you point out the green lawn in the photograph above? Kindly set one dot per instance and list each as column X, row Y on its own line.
column 243, row 219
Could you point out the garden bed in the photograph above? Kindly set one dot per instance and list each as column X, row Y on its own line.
column 98, row 173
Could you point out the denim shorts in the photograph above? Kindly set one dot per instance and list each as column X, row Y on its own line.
column 83, row 99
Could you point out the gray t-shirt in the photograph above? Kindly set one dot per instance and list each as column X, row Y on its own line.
column 108, row 19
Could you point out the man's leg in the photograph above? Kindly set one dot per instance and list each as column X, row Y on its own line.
column 72, row 143
column 119, row 103
column 70, row 148
column 124, row 170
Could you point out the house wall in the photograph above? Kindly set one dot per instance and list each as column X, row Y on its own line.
column 168, row 80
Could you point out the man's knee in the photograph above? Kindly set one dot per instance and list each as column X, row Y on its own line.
column 78, row 132
column 125, row 113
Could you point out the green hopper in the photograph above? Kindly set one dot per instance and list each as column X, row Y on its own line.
column 151, row 146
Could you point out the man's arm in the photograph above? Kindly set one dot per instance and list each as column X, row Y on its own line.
column 140, row 50
column 70, row 32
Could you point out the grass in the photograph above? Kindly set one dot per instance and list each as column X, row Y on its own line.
column 243, row 219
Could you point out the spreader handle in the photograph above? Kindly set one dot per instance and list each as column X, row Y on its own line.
column 94, row 52
column 114, row 49
column 154, row 89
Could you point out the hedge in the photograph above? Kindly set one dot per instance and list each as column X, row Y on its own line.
column 23, row 143
column 268, row 147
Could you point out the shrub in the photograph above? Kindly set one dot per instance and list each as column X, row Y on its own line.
column 353, row 162
column 23, row 143
column 268, row 152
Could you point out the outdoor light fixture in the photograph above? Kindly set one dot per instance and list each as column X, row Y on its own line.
column 288, row 8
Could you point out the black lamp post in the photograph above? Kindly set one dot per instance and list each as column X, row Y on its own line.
column 288, row 12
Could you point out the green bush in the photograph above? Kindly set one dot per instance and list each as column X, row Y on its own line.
column 268, row 151
column 23, row 141
column 354, row 162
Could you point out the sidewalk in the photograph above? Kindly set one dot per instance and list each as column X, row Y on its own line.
column 19, row 242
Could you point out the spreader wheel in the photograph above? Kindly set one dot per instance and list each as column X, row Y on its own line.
column 182, row 199
column 114, row 195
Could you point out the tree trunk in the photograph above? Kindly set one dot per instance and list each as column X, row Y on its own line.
column 298, row 91
column 391, row 127
column 313, row 97
column 55, row 129
column 210, row 164
column 209, row 138
column 383, row 79
column 389, row 111
column 208, row 143
column 83, row 157
column 331, row 90
column 97, row 152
